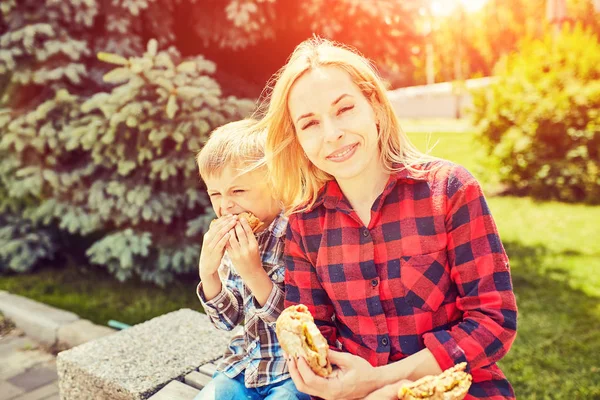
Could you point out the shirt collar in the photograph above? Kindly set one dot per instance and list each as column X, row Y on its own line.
column 277, row 228
column 332, row 197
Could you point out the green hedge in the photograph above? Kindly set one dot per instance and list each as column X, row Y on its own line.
column 540, row 120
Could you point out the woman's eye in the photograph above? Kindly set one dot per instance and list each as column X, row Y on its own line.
column 213, row 194
column 239, row 191
column 344, row 109
column 309, row 124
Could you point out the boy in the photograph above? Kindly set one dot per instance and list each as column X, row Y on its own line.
column 242, row 274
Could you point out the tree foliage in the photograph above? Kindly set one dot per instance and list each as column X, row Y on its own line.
column 540, row 121
column 106, row 103
column 482, row 38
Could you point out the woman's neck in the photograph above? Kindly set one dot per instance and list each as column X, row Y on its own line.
column 362, row 190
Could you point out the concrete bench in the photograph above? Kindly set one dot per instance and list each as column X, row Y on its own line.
column 190, row 387
column 168, row 356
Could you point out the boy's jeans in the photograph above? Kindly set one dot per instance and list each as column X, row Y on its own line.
column 223, row 388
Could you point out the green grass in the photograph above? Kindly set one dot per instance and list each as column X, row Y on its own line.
column 555, row 261
column 93, row 294
column 554, row 249
column 458, row 147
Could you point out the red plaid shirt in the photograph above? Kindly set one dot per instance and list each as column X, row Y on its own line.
column 429, row 271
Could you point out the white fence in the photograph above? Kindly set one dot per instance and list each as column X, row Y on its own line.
column 440, row 100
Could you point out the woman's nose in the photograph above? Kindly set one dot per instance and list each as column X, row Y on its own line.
column 332, row 131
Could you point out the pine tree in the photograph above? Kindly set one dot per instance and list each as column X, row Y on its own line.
column 106, row 102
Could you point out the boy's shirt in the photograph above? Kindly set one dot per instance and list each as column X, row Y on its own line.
column 255, row 350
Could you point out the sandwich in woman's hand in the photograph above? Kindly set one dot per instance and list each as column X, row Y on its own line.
column 299, row 336
column 452, row 384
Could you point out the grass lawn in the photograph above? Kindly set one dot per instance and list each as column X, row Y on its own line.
column 555, row 259
column 93, row 294
column 554, row 250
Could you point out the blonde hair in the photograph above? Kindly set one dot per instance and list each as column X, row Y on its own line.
column 239, row 144
column 294, row 178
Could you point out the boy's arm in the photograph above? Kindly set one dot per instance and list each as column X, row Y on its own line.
column 269, row 309
column 261, row 287
column 225, row 310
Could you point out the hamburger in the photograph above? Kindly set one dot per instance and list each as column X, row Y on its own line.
column 299, row 336
column 253, row 221
column 452, row 384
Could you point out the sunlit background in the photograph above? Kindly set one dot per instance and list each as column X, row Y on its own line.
column 104, row 104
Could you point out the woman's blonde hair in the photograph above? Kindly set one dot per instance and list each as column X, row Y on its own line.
column 239, row 144
column 294, row 178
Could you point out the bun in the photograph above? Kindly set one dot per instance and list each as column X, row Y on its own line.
column 253, row 221
column 299, row 336
column 452, row 384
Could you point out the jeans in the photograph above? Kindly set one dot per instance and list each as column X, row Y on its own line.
column 223, row 388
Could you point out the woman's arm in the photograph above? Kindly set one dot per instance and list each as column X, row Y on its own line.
column 480, row 270
column 354, row 377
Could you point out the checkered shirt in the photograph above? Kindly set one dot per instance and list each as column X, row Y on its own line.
column 429, row 271
column 255, row 349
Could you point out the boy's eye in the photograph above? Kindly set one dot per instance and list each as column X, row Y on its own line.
column 309, row 124
column 344, row 109
column 239, row 191
column 213, row 194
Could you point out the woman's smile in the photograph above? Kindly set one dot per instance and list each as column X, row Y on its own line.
column 343, row 154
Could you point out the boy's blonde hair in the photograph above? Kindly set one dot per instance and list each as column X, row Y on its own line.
column 294, row 178
column 238, row 144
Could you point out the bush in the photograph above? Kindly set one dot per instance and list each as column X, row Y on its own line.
column 540, row 120
column 109, row 163
column 120, row 165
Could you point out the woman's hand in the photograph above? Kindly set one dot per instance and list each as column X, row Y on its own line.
column 242, row 248
column 388, row 392
column 213, row 246
column 353, row 378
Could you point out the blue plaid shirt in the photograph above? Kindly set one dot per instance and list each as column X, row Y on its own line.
column 255, row 349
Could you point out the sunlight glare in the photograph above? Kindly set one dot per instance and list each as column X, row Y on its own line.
column 442, row 8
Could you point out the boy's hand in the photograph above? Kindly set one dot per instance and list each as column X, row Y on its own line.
column 213, row 245
column 242, row 248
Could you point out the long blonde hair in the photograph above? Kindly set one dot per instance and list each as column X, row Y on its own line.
column 295, row 180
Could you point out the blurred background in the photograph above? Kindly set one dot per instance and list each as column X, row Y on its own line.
column 103, row 105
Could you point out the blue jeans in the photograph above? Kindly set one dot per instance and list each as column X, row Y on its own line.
column 223, row 388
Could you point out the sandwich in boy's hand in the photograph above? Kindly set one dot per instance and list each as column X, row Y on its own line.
column 299, row 336
column 253, row 221
column 452, row 384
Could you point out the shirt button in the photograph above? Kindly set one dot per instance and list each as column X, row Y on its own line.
column 365, row 232
column 374, row 282
column 384, row 341
column 220, row 305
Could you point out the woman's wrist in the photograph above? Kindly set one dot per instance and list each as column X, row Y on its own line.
column 376, row 378
column 413, row 367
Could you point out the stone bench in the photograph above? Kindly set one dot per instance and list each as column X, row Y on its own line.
column 189, row 388
column 157, row 359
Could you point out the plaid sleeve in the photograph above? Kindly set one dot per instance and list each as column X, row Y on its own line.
column 273, row 307
column 225, row 310
column 302, row 284
column 480, row 269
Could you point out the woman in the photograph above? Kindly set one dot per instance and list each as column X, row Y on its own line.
column 395, row 253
